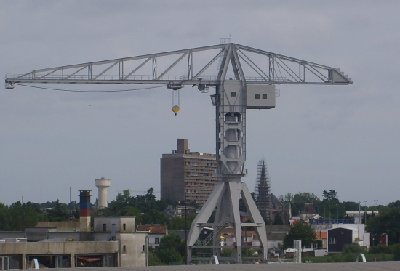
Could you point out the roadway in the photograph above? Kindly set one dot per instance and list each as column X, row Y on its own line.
column 370, row 266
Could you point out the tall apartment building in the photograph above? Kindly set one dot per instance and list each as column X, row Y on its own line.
column 187, row 176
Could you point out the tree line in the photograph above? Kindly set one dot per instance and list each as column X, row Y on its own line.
column 385, row 220
column 329, row 207
column 146, row 209
column 149, row 210
column 18, row 215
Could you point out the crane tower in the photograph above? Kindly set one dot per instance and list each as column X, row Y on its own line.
column 243, row 78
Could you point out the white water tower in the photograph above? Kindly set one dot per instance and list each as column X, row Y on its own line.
column 102, row 184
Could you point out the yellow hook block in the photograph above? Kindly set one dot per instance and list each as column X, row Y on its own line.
column 176, row 109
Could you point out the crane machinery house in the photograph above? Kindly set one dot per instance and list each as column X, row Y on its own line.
column 261, row 96
column 258, row 96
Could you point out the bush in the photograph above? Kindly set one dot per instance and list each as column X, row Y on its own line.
column 380, row 249
column 153, row 258
column 379, row 257
column 171, row 250
column 395, row 251
column 353, row 249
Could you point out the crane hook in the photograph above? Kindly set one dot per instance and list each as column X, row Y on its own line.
column 176, row 109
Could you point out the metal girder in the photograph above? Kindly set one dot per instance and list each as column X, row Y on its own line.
column 258, row 66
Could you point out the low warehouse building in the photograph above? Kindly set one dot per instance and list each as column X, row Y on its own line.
column 113, row 243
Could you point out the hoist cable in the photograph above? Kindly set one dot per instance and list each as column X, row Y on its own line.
column 88, row 91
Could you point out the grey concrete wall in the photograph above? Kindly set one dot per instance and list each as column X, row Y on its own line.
column 12, row 234
column 132, row 249
column 73, row 247
column 119, row 222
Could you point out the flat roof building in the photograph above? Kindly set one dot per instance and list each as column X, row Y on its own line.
column 114, row 242
column 187, row 176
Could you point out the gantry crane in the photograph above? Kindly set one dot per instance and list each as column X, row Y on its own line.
column 243, row 78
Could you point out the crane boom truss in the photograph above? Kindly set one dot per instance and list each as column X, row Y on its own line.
column 187, row 67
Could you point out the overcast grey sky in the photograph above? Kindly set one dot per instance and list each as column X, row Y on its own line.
column 318, row 137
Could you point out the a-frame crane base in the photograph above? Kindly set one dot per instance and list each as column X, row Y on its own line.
column 219, row 219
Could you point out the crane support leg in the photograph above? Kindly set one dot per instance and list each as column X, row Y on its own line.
column 224, row 200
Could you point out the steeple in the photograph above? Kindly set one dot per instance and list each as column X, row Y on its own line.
column 263, row 192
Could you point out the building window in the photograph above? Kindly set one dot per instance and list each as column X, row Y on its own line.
column 104, row 227
column 124, row 226
column 157, row 240
column 257, row 96
column 233, row 94
column 265, row 96
column 124, row 249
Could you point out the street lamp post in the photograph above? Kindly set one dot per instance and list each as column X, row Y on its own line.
column 365, row 212
column 185, row 232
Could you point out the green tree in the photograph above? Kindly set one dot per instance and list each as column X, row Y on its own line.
column 146, row 208
column 299, row 200
column 299, row 231
column 330, row 206
column 395, row 204
column 24, row 215
column 120, row 206
column 59, row 212
column 4, row 217
column 350, row 205
column 396, row 251
column 353, row 249
column 153, row 258
column 171, row 250
column 178, row 223
column 329, row 195
column 388, row 221
column 154, row 216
